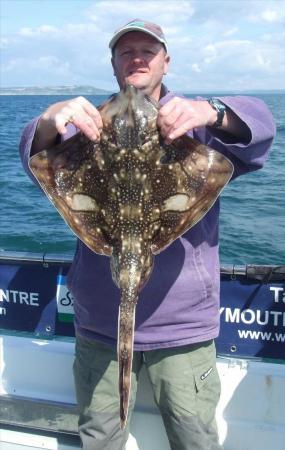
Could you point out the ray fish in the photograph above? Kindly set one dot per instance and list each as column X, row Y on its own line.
column 129, row 197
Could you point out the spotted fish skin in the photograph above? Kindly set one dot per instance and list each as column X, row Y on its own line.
column 132, row 124
column 129, row 197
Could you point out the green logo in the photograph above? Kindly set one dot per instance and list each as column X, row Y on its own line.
column 136, row 24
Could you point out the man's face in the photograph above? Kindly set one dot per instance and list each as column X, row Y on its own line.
column 140, row 60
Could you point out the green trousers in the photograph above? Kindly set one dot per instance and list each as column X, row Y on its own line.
column 186, row 389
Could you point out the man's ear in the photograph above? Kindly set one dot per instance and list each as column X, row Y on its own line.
column 166, row 64
column 112, row 62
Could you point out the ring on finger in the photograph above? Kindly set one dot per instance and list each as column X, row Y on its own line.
column 71, row 118
column 89, row 122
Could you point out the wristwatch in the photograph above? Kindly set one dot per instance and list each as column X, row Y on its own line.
column 220, row 108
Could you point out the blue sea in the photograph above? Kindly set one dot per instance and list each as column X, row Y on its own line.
column 252, row 224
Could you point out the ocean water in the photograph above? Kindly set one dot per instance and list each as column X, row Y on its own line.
column 252, row 223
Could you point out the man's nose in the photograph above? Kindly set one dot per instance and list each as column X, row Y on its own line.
column 138, row 57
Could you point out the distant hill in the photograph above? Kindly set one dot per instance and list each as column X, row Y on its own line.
column 53, row 90
column 91, row 90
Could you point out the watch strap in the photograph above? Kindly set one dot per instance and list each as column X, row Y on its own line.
column 218, row 106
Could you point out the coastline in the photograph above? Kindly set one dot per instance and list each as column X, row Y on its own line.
column 92, row 90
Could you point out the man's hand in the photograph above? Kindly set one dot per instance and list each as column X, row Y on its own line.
column 180, row 115
column 79, row 111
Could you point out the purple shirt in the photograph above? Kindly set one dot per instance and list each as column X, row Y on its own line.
column 180, row 303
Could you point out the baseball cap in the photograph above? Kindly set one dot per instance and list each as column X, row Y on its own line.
column 139, row 25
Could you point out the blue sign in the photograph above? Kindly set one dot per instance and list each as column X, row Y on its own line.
column 34, row 299
column 252, row 318
column 28, row 298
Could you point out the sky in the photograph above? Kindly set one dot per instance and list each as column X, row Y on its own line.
column 230, row 45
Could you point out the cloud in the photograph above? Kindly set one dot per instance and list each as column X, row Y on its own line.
column 273, row 13
column 47, row 70
column 44, row 29
column 4, row 42
column 196, row 68
column 210, row 52
column 26, row 31
column 250, row 58
column 230, row 31
column 269, row 15
column 115, row 14
column 206, row 54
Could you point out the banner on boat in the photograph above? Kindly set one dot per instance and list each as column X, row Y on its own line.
column 252, row 318
column 34, row 298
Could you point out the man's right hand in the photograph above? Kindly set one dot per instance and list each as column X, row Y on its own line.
column 79, row 111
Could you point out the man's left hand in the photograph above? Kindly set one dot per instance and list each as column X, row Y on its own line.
column 180, row 115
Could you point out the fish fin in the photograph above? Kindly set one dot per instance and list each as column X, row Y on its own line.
column 125, row 357
column 64, row 172
column 198, row 174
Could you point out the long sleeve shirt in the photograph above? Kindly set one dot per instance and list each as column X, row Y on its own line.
column 180, row 303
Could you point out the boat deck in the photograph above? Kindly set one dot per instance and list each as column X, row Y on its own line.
column 37, row 399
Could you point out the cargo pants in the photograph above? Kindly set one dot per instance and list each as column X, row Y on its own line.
column 186, row 389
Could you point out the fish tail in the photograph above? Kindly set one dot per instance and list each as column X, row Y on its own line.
column 125, row 356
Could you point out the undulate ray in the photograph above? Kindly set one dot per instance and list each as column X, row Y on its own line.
column 129, row 197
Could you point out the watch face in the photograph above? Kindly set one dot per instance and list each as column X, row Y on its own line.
column 218, row 105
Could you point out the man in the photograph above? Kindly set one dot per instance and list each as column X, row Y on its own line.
column 177, row 315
